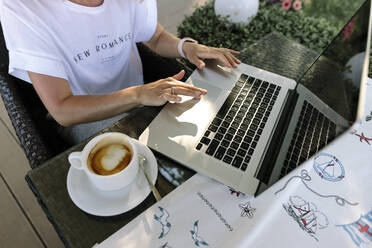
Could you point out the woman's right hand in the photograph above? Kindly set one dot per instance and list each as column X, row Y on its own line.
column 168, row 89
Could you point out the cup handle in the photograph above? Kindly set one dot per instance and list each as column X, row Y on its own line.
column 75, row 160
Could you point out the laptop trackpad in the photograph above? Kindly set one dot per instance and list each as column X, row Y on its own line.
column 183, row 123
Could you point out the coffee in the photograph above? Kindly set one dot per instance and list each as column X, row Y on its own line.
column 109, row 156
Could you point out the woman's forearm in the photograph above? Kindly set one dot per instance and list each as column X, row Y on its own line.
column 164, row 43
column 68, row 109
column 81, row 109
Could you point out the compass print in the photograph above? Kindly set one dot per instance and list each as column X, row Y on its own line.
column 328, row 167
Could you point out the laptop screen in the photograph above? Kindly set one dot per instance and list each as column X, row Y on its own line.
column 336, row 79
column 336, row 76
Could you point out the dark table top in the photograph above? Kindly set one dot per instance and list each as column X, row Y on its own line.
column 76, row 228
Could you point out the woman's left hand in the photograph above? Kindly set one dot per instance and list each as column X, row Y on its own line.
column 196, row 53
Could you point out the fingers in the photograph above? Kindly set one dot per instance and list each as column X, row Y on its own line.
column 179, row 75
column 196, row 61
column 170, row 89
column 231, row 60
column 173, row 83
column 232, row 51
column 173, row 93
column 187, row 92
column 215, row 54
column 196, row 53
column 174, row 90
column 230, row 54
column 237, row 60
column 171, row 98
column 181, row 86
column 166, row 84
column 223, row 55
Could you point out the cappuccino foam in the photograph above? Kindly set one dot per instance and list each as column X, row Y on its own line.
column 110, row 159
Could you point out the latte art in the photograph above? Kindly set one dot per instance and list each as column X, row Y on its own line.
column 110, row 159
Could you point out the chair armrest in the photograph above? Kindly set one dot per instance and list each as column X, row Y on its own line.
column 29, row 136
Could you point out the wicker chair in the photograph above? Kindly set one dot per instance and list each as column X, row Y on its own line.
column 37, row 133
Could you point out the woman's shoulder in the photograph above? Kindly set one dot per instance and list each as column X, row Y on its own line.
column 20, row 4
column 27, row 11
column 27, row 8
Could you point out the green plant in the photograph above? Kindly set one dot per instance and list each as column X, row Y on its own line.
column 337, row 12
column 211, row 30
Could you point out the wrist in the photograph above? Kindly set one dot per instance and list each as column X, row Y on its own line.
column 134, row 94
column 181, row 47
column 186, row 49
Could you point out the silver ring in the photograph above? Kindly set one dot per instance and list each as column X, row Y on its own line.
column 172, row 91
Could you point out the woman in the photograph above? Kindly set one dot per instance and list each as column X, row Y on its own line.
column 81, row 58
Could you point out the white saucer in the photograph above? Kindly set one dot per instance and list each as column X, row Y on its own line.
column 108, row 203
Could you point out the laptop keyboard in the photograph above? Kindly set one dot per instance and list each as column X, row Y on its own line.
column 233, row 134
column 313, row 132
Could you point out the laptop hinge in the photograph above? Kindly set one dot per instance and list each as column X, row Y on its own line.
column 277, row 138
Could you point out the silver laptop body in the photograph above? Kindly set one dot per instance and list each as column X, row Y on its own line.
column 179, row 129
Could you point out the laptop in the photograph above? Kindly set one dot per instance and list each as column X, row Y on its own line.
column 253, row 127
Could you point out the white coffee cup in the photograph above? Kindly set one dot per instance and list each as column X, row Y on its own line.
column 79, row 160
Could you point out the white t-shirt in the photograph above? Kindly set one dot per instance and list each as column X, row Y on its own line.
column 93, row 48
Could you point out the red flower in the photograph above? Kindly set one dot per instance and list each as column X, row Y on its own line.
column 353, row 21
column 348, row 29
column 286, row 4
column 347, row 33
column 297, row 5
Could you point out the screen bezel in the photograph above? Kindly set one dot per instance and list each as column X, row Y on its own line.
column 363, row 83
